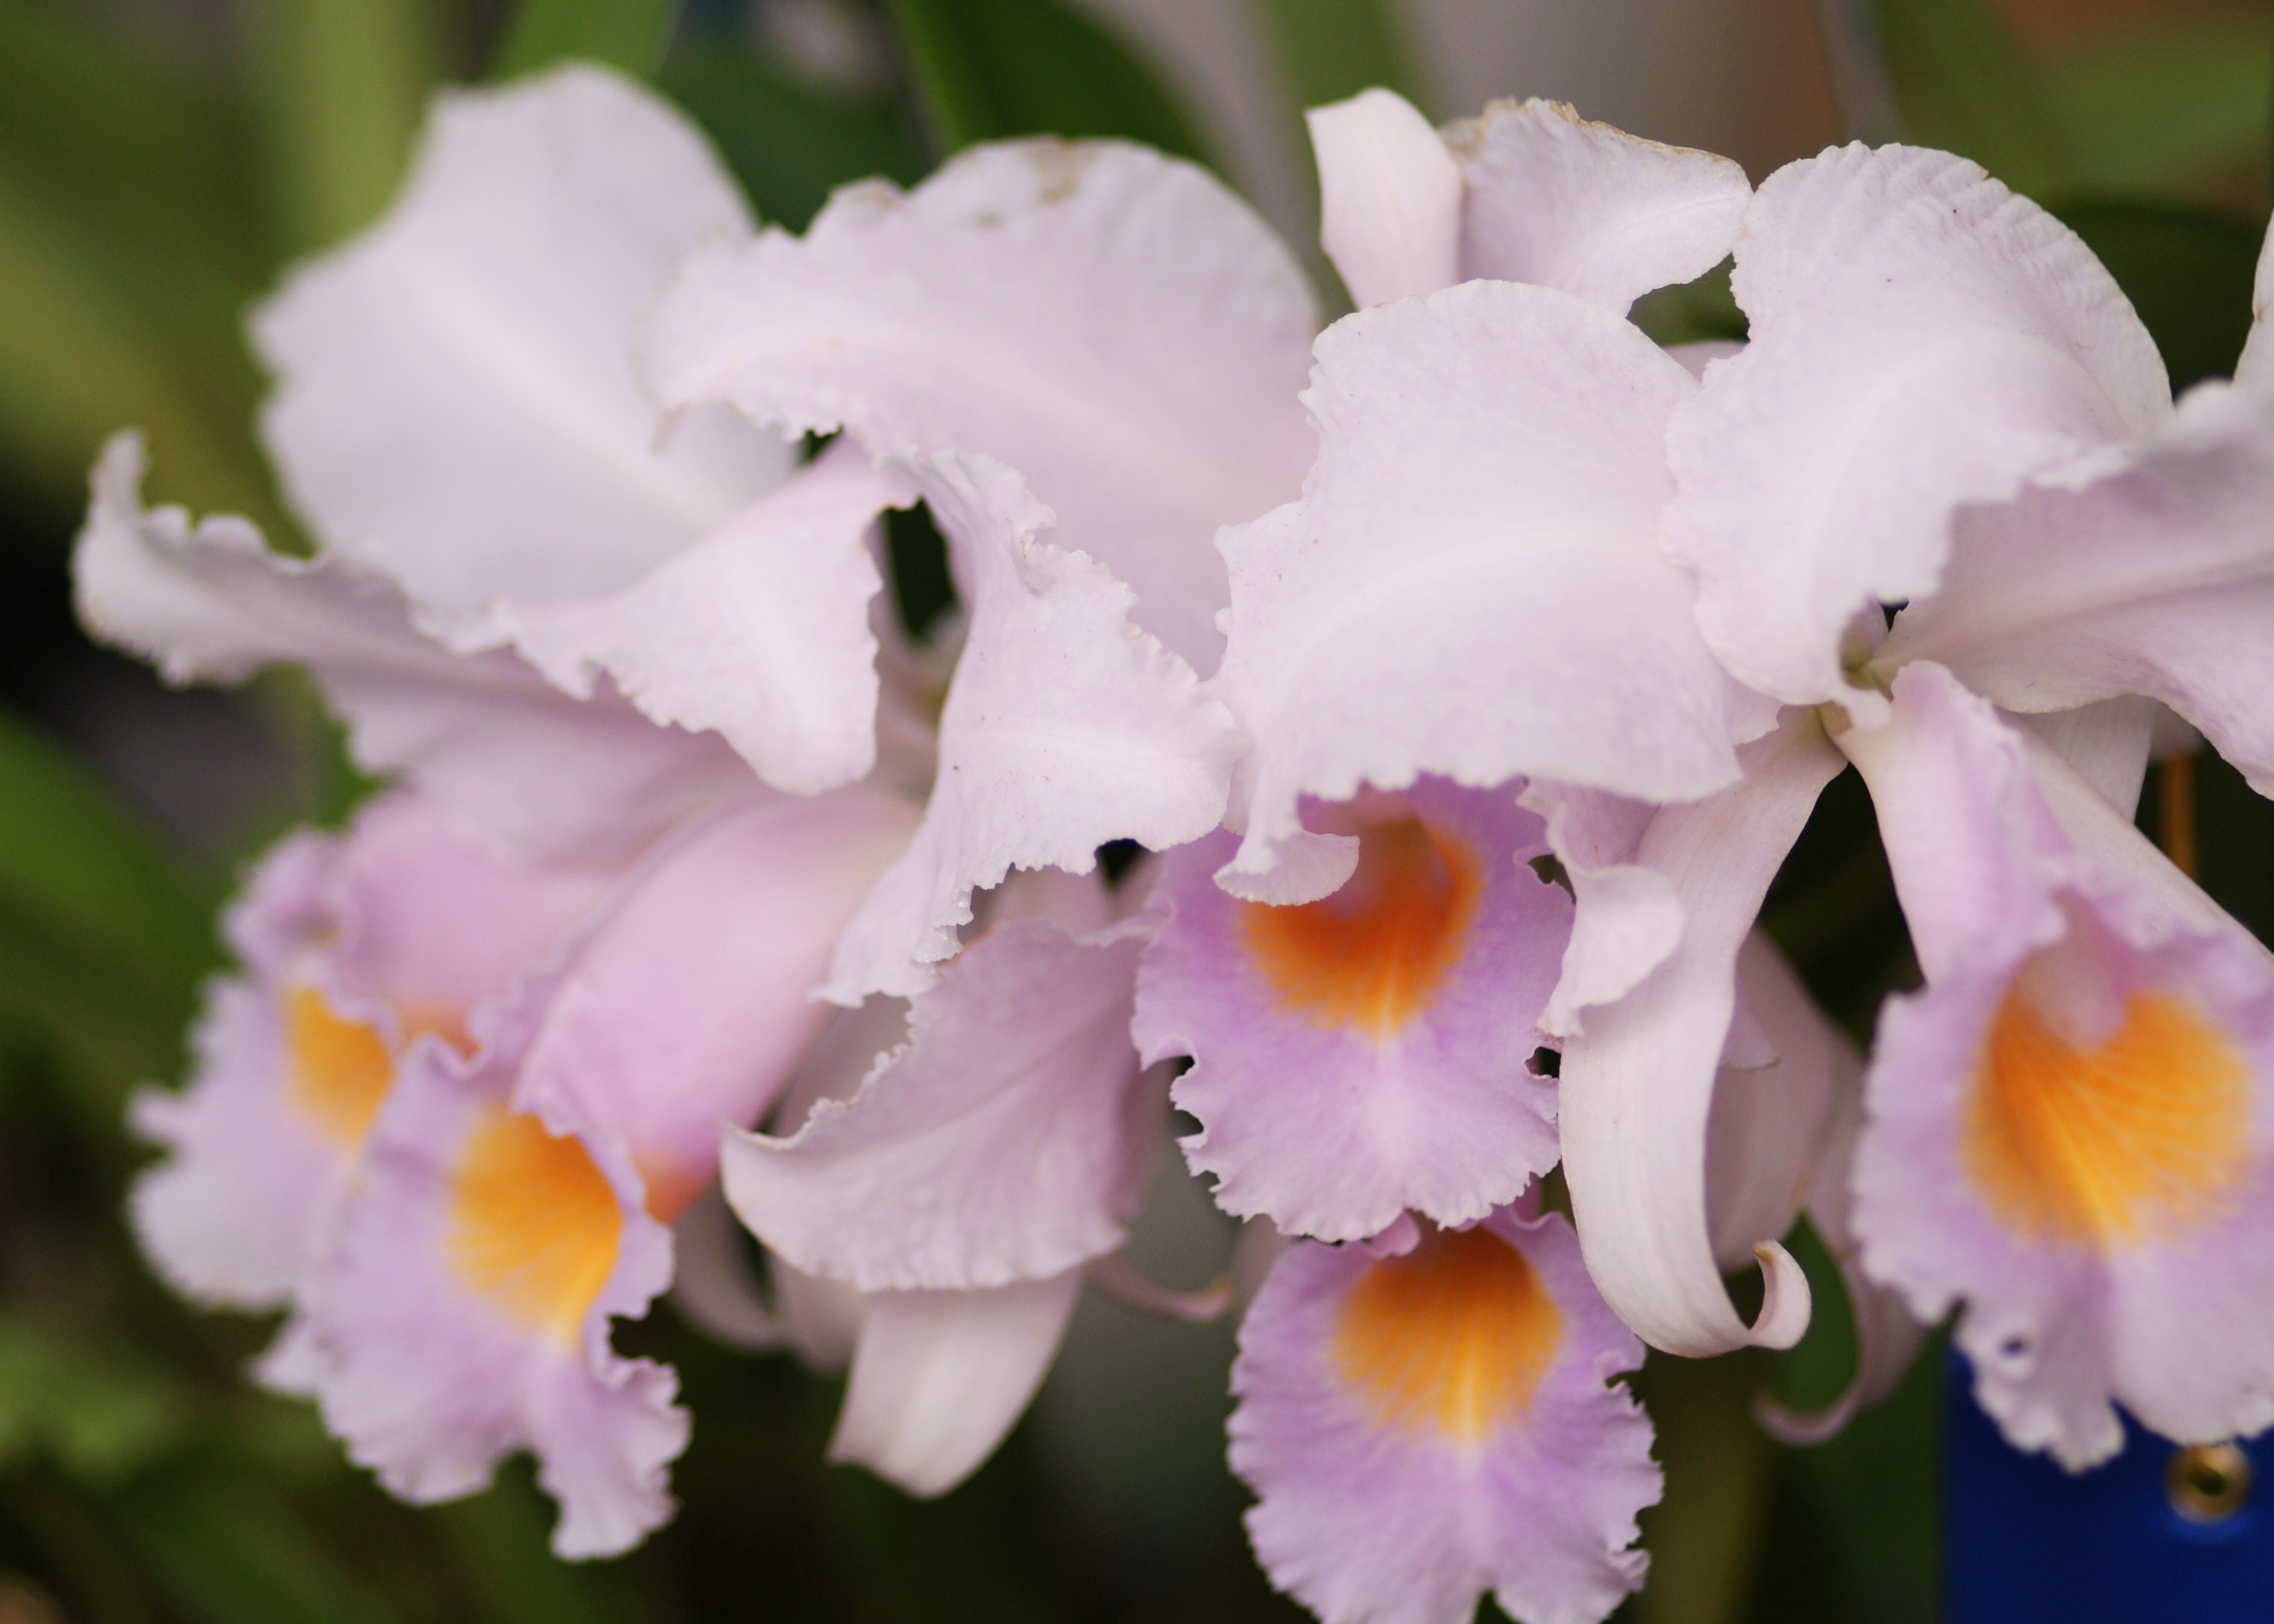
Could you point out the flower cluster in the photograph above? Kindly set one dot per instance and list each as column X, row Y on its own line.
column 1465, row 670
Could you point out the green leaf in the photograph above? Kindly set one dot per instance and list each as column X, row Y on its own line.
column 103, row 938
column 1331, row 49
column 344, row 83
column 99, row 1413
column 986, row 69
column 2188, row 100
column 625, row 34
column 99, row 336
column 1702, row 1535
column 499, row 1540
column 788, row 144
column 2187, row 271
column 1965, row 84
column 226, row 1547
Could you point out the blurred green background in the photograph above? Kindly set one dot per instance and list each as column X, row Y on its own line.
column 162, row 160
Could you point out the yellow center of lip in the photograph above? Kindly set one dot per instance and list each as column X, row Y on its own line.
column 1455, row 1335
column 339, row 1070
column 1372, row 955
column 2140, row 1136
column 534, row 1224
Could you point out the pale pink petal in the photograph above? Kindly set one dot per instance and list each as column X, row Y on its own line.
column 1638, row 1084
column 1006, row 1142
column 455, row 405
column 1113, row 324
column 2118, row 1266
column 1472, row 585
column 685, row 1006
column 2108, row 743
column 1402, row 1502
column 760, row 630
column 485, row 737
column 1065, row 727
column 1628, row 919
column 1602, row 216
column 1390, row 197
column 396, row 927
column 1319, row 1108
column 2157, row 579
column 248, row 1185
column 1920, row 338
column 432, row 1379
column 939, row 1377
column 1770, row 1121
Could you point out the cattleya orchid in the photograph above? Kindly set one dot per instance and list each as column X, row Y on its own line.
column 638, row 972
column 1947, row 407
column 1466, row 702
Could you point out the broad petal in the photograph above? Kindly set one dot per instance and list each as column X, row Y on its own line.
column 1065, row 727
column 1390, row 197
column 1920, row 338
column 760, row 630
column 485, row 737
column 1006, row 1141
column 455, row 406
column 2068, row 1128
column 1369, row 1053
column 465, row 1312
column 1602, row 216
column 1637, row 1085
column 1421, row 1429
column 1472, row 585
column 686, row 1005
column 1113, row 324
column 2157, row 579
column 939, row 1377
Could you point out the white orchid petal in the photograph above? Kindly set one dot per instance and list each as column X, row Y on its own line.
column 1637, row 1086
column 939, row 1378
column 1004, row 1142
column 1602, row 216
column 1390, row 197
column 2108, row 743
column 1472, row 585
column 455, row 405
column 1768, row 1125
column 2156, row 579
column 760, row 630
column 1920, row 338
column 1065, row 727
column 1115, row 325
column 484, row 736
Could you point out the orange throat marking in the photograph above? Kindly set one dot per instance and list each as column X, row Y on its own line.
column 1455, row 1335
column 533, row 1225
column 2140, row 1137
column 1372, row 955
column 339, row 1071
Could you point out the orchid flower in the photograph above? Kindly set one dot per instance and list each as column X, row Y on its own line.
column 1472, row 586
column 1946, row 406
column 351, row 947
column 492, row 621
column 1423, row 1426
column 1122, row 340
